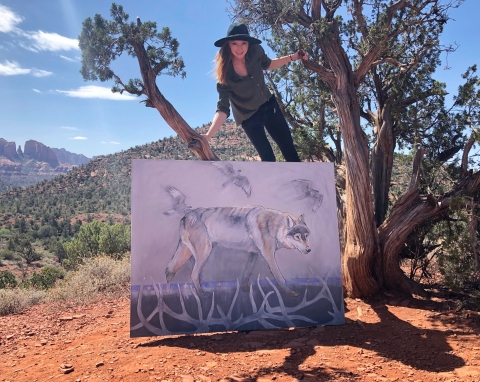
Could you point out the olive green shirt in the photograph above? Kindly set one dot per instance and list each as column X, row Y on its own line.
column 245, row 94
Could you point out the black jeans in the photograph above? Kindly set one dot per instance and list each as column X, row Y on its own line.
column 270, row 116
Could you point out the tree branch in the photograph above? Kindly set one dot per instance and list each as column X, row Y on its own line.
column 322, row 72
column 466, row 151
column 372, row 54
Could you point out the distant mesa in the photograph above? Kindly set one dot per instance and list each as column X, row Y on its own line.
column 40, row 152
column 8, row 149
column 71, row 158
column 35, row 163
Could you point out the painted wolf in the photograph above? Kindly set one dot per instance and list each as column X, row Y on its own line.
column 253, row 229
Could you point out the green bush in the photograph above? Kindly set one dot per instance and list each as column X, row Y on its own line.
column 456, row 261
column 97, row 238
column 5, row 232
column 7, row 280
column 9, row 255
column 47, row 277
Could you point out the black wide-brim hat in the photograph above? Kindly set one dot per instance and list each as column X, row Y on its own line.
column 237, row 31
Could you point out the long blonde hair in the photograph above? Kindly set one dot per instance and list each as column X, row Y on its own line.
column 222, row 59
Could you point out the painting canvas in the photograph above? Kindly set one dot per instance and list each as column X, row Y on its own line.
column 221, row 246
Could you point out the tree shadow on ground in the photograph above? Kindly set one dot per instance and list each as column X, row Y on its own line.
column 391, row 339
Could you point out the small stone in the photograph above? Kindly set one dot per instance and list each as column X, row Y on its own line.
column 66, row 368
column 10, row 336
column 43, row 342
column 98, row 364
column 66, row 318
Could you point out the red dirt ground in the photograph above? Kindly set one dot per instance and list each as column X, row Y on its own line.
column 384, row 339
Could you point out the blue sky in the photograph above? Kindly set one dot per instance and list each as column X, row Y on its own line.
column 43, row 96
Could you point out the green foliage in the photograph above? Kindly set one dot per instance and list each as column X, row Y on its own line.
column 60, row 253
column 5, row 233
column 103, row 41
column 47, row 277
column 9, row 255
column 456, row 260
column 7, row 280
column 26, row 251
column 97, row 238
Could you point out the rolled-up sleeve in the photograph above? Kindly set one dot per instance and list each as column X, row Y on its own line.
column 223, row 103
column 264, row 60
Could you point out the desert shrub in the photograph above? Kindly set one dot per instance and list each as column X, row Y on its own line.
column 96, row 277
column 46, row 231
column 7, row 280
column 5, row 232
column 16, row 300
column 9, row 255
column 60, row 252
column 97, row 238
column 47, row 277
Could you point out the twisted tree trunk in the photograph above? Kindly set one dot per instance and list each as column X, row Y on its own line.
column 361, row 273
column 195, row 141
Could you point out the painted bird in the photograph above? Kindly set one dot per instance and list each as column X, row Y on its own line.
column 306, row 191
column 234, row 177
column 178, row 202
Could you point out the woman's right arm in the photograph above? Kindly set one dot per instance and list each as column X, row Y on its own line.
column 217, row 122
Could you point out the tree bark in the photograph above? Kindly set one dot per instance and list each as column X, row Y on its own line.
column 360, row 268
column 382, row 162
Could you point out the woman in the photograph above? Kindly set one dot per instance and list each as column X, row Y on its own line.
column 241, row 85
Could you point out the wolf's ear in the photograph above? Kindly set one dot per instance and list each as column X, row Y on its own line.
column 301, row 219
column 290, row 222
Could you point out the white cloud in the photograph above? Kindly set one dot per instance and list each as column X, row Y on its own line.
column 8, row 19
column 11, row 68
column 76, row 59
column 79, row 138
column 39, row 40
column 36, row 90
column 40, row 73
column 114, row 143
column 68, row 128
column 92, row 91
column 50, row 41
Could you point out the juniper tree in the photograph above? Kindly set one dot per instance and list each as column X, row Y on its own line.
column 376, row 61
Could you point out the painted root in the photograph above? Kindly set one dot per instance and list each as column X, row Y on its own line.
column 261, row 314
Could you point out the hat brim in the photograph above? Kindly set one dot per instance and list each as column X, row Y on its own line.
column 242, row 37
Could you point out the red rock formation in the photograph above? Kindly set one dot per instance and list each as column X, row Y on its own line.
column 7, row 149
column 2, row 144
column 10, row 150
column 40, row 152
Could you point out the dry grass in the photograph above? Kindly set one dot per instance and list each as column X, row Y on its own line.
column 17, row 299
column 98, row 278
